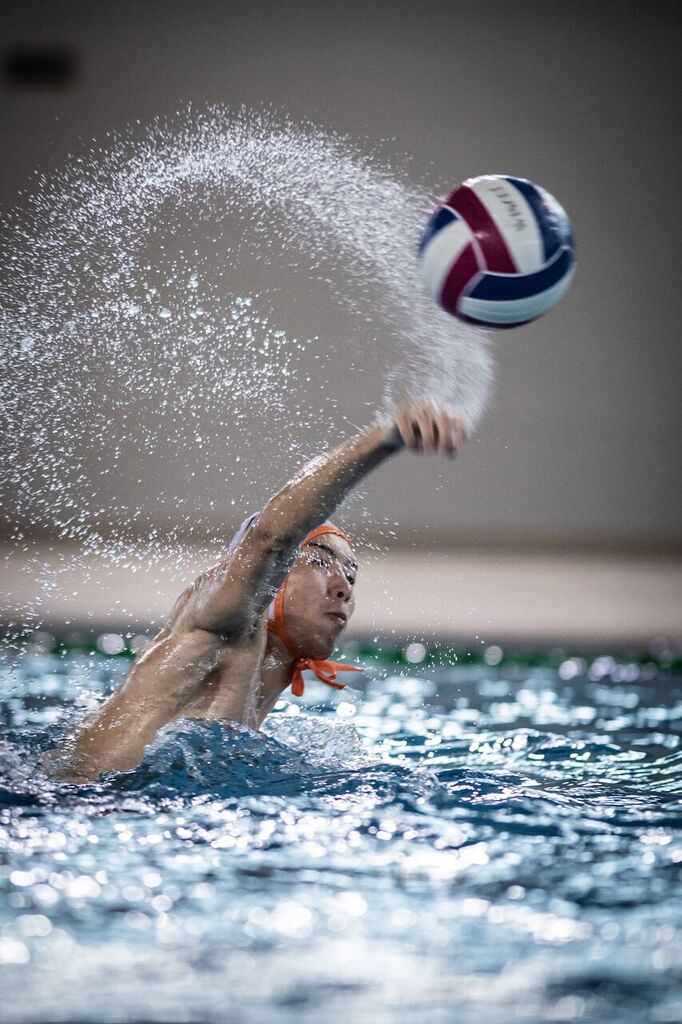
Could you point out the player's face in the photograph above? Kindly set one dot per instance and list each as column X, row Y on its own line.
column 319, row 599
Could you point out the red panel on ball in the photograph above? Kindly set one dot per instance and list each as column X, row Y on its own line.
column 497, row 257
column 462, row 273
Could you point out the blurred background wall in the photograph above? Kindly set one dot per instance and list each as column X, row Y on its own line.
column 567, row 501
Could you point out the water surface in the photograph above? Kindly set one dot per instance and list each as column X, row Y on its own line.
column 470, row 843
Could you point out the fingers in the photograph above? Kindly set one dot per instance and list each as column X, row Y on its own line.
column 407, row 422
column 458, row 434
column 428, row 428
column 412, row 423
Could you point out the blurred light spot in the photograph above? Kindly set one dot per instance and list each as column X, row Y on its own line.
column 136, row 919
column 602, row 666
column 34, row 925
column 474, row 907
column 493, row 655
column 568, row 1008
column 290, row 918
column 22, row 878
column 13, row 952
column 110, row 643
column 162, row 903
column 353, row 904
column 571, row 668
column 403, row 918
column 414, row 653
column 139, row 644
column 345, row 710
column 83, row 888
column 132, row 893
column 45, row 895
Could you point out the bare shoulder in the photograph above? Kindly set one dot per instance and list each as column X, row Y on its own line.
column 191, row 653
column 183, row 657
column 197, row 673
column 229, row 598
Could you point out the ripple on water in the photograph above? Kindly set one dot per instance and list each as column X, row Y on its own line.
column 451, row 859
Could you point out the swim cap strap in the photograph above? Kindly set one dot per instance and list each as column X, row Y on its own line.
column 324, row 670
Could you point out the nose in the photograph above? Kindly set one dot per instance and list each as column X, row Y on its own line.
column 339, row 587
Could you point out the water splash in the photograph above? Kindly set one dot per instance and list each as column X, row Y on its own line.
column 145, row 296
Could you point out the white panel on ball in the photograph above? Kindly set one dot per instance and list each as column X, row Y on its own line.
column 441, row 252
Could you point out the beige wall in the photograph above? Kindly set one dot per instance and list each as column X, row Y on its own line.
column 579, row 446
column 471, row 597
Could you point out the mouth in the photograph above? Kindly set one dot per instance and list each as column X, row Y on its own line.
column 339, row 617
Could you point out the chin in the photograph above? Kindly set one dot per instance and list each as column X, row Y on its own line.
column 323, row 645
column 322, row 651
column 321, row 641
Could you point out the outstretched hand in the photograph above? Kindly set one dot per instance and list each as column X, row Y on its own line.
column 426, row 428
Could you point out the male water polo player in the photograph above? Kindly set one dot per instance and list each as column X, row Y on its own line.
column 247, row 627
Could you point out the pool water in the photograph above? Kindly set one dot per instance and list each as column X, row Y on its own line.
column 456, row 842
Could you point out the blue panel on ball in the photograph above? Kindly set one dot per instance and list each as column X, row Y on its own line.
column 555, row 230
column 506, row 287
column 440, row 218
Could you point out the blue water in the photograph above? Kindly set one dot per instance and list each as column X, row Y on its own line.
column 481, row 843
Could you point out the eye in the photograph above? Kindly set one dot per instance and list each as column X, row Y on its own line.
column 318, row 560
column 329, row 565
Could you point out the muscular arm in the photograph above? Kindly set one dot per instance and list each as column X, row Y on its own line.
column 230, row 598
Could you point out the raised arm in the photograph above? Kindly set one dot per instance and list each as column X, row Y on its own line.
column 230, row 598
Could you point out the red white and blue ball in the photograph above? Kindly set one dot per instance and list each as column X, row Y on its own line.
column 498, row 251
